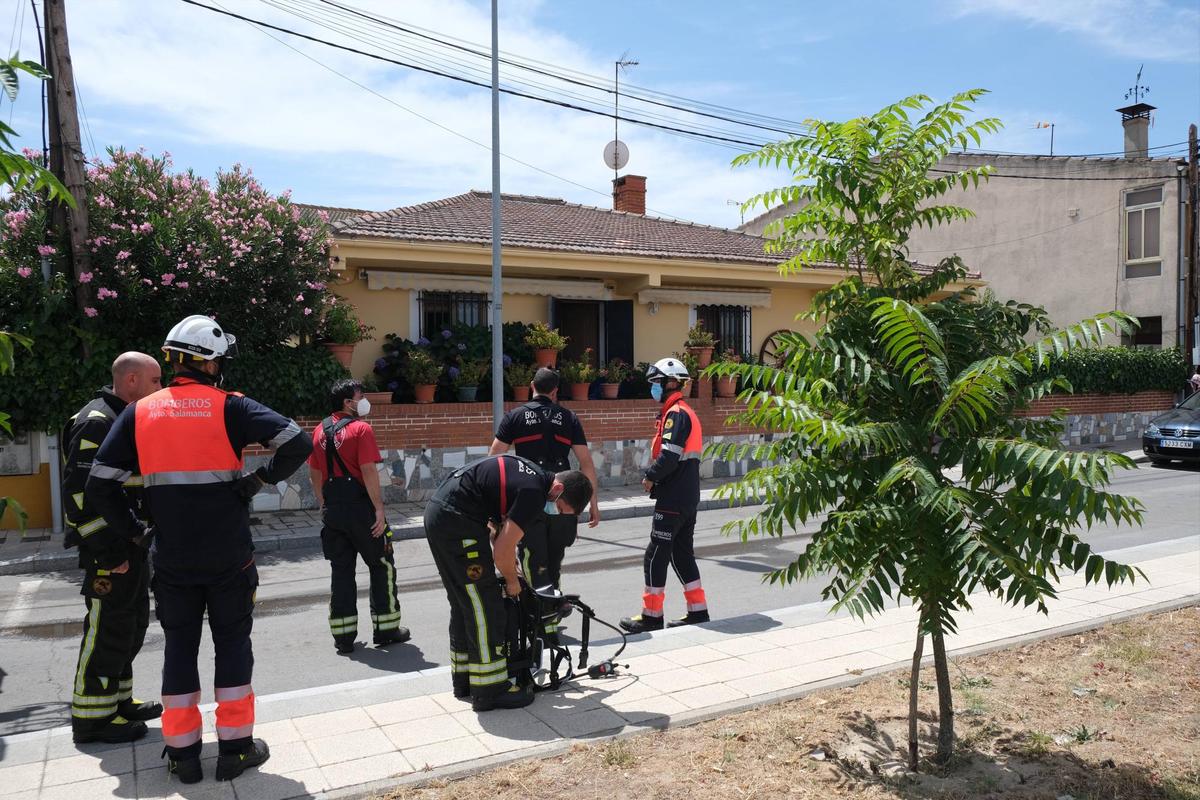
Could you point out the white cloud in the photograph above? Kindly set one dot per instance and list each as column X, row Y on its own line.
column 1150, row 30
column 191, row 75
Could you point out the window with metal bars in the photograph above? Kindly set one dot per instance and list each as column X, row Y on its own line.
column 730, row 325
column 442, row 310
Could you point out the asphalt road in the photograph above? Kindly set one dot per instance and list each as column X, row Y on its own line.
column 40, row 615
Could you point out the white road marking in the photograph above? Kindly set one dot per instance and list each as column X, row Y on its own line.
column 22, row 604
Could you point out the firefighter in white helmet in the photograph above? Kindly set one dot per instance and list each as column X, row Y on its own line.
column 673, row 480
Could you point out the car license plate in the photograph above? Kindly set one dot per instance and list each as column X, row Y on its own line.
column 1175, row 443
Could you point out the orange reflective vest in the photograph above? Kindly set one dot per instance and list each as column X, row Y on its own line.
column 181, row 437
column 693, row 447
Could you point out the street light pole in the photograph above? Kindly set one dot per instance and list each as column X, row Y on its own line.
column 497, row 287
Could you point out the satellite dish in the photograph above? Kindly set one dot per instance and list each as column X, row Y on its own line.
column 616, row 154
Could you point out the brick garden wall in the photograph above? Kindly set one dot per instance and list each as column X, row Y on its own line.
column 1078, row 404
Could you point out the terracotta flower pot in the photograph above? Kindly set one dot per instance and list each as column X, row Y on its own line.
column 545, row 357
column 727, row 386
column 424, row 392
column 703, row 356
column 609, row 391
column 521, row 394
column 466, row 394
column 378, row 398
column 579, row 391
column 342, row 352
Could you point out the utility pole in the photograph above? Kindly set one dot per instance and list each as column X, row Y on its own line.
column 497, row 283
column 1192, row 304
column 66, row 148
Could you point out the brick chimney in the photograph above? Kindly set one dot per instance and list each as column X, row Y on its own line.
column 629, row 194
column 1135, row 119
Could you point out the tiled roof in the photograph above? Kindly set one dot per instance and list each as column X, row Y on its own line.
column 547, row 223
column 335, row 213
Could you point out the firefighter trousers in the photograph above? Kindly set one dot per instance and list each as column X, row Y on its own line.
column 345, row 536
column 462, row 553
column 541, row 554
column 672, row 534
column 180, row 607
column 113, row 631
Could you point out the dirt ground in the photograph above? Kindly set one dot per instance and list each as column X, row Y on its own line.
column 1109, row 715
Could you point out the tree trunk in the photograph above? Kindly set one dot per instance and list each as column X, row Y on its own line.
column 945, row 746
column 914, row 682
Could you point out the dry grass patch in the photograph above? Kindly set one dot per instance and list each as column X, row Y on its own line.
column 1113, row 714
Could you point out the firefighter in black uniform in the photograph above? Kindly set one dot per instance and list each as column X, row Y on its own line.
column 187, row 441
column 504, row 494
column 673, row 481
column 345, row 483
column 116, row 578
column 545, row 433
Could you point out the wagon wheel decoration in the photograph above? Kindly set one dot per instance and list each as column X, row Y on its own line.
column 772, row 354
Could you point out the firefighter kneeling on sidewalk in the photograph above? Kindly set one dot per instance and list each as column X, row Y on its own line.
column 506, row 493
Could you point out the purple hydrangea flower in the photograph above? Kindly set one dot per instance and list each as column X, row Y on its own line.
column 462, row 348
column 422, row 342
column 453, row 372
column 446, row 334
column 380, row 364
column 507, row 360
column 393, row 385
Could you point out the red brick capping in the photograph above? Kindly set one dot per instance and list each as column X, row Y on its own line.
column 1101, row 403
column 441, row 425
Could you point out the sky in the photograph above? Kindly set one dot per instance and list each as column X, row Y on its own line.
column 214, row 91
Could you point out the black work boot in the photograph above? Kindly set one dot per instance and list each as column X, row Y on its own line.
column 462, row 685
column 344, row 645
column 230, row 765
column 512, row 697
column 641, row 624
column 395, row 636
column 139, row 710
column 188, row 770
column 117, row 730
column 692, row 618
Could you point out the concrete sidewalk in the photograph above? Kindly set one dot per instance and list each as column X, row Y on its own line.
column 41, row 551
column 353, row 739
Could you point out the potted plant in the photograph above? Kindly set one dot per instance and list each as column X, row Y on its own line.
column 518, row 377
column 466, row 377
column 579, row 375
column 375, row 393
column 727, row 384
column 614, row 374
column 341, row 329
column 692, row 365
column 546, row 343
column 700, row 344
column 422, row 372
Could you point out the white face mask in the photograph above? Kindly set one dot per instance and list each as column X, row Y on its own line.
column 364, row 407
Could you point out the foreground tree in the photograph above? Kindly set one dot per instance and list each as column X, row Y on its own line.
column 909, row 376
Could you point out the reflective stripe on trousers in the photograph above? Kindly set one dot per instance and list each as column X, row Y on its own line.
column 181, row 724
column 235, row 712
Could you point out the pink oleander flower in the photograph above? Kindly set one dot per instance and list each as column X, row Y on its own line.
column 307, row 311
column 182, row 285
column 24, row 272
column 299, row 298
column 15, row 220
column 104, row 293
column 167, row 277
column 147, row 281
column 124, row 254
column 91, row 312
column 85, row 277
column 46, row 250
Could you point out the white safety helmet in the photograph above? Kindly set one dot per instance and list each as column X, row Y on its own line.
column 667, row 369
column 201, row 338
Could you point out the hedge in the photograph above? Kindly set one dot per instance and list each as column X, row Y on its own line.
column 1121, row 370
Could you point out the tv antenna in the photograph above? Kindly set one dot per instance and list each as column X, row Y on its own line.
column 616, row 154
column 1137, row 92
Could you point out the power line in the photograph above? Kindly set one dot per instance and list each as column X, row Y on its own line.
column 470, row 81
column 1060, row 177
column 437, row 124
column 554, row 75
column 981, row 151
